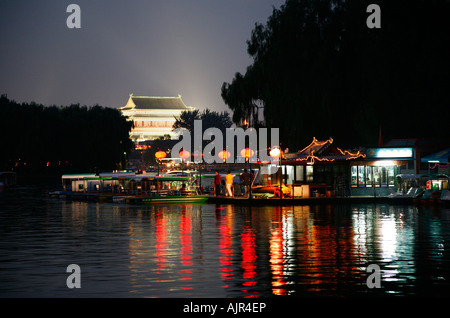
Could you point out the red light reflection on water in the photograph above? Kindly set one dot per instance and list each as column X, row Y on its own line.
column 225, row 246
column 248, row 255
column 277, row 260
column 161, row 242
column 186, row 247
column 248, row 258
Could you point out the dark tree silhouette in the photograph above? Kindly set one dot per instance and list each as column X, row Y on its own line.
column 36, row 139
column 319, row 70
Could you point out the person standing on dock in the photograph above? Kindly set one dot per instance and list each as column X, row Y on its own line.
column 245, row 179
column 217, row 180
column 228, row 184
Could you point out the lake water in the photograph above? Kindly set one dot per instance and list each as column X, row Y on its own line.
column 208, row 250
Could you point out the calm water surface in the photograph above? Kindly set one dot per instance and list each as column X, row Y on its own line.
column 208, row 250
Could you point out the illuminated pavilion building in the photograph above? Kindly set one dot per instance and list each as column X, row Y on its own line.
column 318, row 166
column 153, row 117
column 323, row 169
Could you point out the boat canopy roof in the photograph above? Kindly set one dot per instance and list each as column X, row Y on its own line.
column 110, row 175
column 425, row 176
column 79, row 176
column 140, row 178
column 412, row 176
column 127, row 176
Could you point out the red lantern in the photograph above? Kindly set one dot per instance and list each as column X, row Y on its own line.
column 160, row 154
column 184, row 154
column 224, row 155
column 247, row 153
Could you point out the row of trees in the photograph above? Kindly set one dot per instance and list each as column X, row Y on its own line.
column 319, row 70
column 38, row 139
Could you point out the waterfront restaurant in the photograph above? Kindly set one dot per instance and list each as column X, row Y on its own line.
column 318, row 170
column 324, row 170
column 375, row 174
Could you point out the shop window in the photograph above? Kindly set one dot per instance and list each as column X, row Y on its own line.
column 309, row 173
column 390, row 176
column 369, row 176
column 354, row 176
column 361, row 176
column 383, row 177
column 289, row 172
column 369, row 180
column 376, row 176
column 299, row 173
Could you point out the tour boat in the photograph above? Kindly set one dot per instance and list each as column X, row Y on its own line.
column 129, row 187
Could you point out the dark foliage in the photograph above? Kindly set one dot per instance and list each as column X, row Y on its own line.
column 318, row 70
column 36, row 139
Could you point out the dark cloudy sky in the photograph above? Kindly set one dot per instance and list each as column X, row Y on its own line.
column 144, row 47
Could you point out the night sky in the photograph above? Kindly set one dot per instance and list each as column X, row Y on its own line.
column 148, row 47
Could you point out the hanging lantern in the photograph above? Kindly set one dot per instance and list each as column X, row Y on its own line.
column 184, row 154
column 247, row 153
column 224, row 155
column 160, row 154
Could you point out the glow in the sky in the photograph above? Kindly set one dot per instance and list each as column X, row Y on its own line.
column 159, row 48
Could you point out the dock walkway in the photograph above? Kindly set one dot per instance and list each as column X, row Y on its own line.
column 297, row 201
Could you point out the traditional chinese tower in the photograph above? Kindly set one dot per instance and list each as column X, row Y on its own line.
column 153, row 117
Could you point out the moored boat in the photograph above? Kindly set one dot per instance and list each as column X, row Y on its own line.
column 126, row 187
column 410, row 188
column 435, row 189
column 445, row 198
column 7, row 179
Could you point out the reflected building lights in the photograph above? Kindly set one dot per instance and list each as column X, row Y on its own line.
column 276, row 260
column 388, row 238
column 249, row 256
column 282, row 252
column 161, row 242
column 186, row 246
column 302, row 249
column 383, row 237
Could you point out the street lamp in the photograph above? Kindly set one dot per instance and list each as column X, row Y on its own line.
column 276, row 154
column 184, row 154
column 247, row 153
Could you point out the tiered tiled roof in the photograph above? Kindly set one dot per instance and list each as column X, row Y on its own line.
column 324, row 151
column 153, row 102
